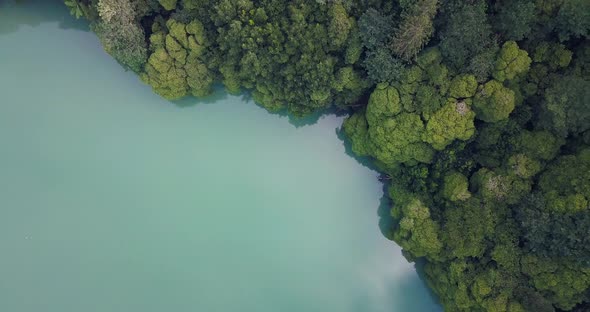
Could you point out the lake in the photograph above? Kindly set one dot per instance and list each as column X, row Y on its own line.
column 114, row 199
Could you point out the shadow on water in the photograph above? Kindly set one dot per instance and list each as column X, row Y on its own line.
column 33, row 13
column 299, row 122
column 404, row 293
column 295, row 121
column 386, row 221
column 386, row 224
column 363, row 160
column 419, row 266
column 218, row 94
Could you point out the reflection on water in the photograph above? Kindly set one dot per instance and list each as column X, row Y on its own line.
column 218, row 94
column 14, row 14
column 114, row 199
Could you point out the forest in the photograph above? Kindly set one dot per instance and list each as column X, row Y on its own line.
column 476, row 113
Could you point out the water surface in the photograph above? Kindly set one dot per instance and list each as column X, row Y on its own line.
column 113, row 199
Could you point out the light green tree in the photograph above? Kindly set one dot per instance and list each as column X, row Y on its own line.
column 511, row 62
column 493, row 102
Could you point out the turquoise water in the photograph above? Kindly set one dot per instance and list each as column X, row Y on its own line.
column 113, row 199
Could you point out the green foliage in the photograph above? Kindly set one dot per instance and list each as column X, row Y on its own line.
column 498, row 186
column 493, row 102
column 175, row 67
column 423, row 87
column 471, row 286
column 516, row 18
column 381, row 66
column 383, row 102
column 466, row 39
column 566, row 108
column 375, row 32
column 340, row 24
column 467, row 225
column 120, row 33
column 168, row 4
column 524, row 166
column 511, row 62
column 416, row 231
column 453, row 121
column 533, row 300
column 292, row 55
column 415, row 29
column 76, row 8
column 455, row 187
column 463, row 86
column 354, row 47
column 540, row 145
column 566, row 183
column 392, row 136
column 573, row 19
column 553, row 54
column 375, row 29
column 83, row 8
column 398, row 139
column 561, row 281
column 551, row 233
column 355, row 127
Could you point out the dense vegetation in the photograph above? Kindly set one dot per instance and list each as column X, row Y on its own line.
column 477, row 113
